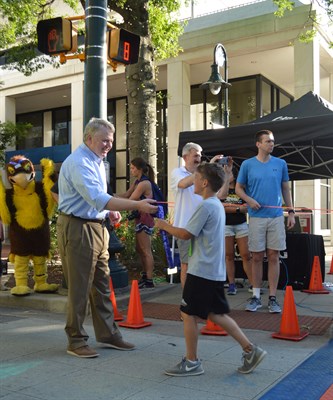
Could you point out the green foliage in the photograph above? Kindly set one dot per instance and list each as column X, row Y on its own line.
column 165, row 29
column 19, row 18
column 283, row 6
column 160, row 97
column 307, row 36
column 125, row 232
column 329, row 7
column 18, row 36
column 9, row 134
column 25, row 60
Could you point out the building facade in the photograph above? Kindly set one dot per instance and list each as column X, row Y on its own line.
column 267, row 66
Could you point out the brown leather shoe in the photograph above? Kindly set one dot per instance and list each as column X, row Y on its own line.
column 120, row 344
column 83, row 352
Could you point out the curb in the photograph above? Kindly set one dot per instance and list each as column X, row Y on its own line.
column 57, row 302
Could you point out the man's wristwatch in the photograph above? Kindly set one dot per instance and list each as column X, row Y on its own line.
column 291, row 211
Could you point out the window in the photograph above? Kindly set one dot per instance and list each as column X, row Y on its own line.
column 34, row 138
column 111, row 157
column 198, row 103
column 268, row 103
column 61, row 126
column 243, row 101
column 325, row 198
column 118, row 157
column 249, row 98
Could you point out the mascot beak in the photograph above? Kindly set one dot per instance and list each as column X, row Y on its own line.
column 22, row 179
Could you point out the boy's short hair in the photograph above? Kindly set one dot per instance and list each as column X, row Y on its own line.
column 214, row 174
column 189, row 146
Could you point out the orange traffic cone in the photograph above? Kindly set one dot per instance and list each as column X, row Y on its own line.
column 328, row 395
column 134, row 315
column 289, row 328
column 117, row 315
column 316, row 280
column 212, row 329
column 331, row 269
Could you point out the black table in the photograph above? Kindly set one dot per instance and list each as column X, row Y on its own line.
column 296, row 261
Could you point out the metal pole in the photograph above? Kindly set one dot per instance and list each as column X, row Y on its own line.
column 226, row 111
column 95, row 103
column 95, row 88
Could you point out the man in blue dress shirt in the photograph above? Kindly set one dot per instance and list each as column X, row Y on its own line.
column 83, row 239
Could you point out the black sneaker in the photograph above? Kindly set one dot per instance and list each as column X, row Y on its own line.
column 142, row 279
column 147, row 284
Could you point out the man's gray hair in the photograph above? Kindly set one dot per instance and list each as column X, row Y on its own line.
column 96, row 124
column 189, row 146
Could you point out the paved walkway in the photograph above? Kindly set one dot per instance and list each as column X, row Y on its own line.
column 35, row 366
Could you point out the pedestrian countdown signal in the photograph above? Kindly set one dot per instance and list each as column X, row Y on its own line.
column 123, row 46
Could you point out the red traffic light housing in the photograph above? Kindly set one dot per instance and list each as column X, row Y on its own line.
column 123, row 46
column 56, row 36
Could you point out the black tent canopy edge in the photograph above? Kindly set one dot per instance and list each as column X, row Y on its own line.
column 306, row 143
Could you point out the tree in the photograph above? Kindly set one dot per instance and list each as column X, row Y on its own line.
column 9, row 134
column 153, row 20
column 159, row 31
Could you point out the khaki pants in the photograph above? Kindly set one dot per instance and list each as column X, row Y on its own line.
column 83, row 248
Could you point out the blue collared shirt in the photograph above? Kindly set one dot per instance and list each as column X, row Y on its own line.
column 82, row 185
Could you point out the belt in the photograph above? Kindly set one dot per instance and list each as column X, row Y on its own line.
column 96, row 221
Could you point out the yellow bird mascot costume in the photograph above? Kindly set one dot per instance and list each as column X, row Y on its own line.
column 26, row 208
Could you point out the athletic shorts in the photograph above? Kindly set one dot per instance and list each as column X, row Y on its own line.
column 239, row 230
column 267, row 233
column 202, row 296
column 183, row 247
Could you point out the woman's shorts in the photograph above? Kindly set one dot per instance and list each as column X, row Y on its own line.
column 202, row 296
column 239, row 231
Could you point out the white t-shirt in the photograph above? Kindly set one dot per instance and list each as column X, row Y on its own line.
column 186, row 201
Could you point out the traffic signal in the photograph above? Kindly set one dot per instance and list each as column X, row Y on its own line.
column 55, row 36
column 123, row 46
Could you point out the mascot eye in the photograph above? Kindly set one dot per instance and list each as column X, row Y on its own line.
column 11, row 170
column 26, row 166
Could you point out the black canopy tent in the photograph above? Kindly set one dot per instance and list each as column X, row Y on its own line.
column 303, row 132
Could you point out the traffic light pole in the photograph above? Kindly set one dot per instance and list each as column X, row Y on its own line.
column 95, row 88
column 95, row 103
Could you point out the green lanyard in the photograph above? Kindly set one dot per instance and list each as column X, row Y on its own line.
column 190, row 248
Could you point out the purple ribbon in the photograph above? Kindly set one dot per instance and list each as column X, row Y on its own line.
column 165, row 240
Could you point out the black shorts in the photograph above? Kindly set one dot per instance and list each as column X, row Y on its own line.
column 203, row 296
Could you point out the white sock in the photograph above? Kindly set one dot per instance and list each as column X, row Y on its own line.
column 256, row 292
